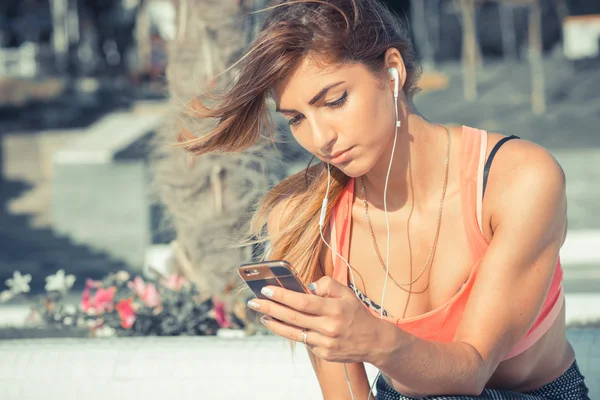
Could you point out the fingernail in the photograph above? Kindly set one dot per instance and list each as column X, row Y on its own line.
column 253, row 305
column 264, row 320
column 312, row 287
column 267, row 292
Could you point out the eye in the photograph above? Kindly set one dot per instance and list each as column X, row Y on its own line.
column 334, row 104
column 295, row 121
column 339, row 102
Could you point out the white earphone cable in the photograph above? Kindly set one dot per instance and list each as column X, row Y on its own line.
column 322, row 223
column 387, row 221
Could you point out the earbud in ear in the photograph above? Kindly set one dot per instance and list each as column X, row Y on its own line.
column 396, row 78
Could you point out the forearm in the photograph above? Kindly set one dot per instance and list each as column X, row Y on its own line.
column 422, row 367
column 333, row 380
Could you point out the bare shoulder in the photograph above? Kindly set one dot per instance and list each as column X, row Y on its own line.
column 523, row 161
column 523, row 173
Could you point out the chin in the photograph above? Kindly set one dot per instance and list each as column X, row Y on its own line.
column 353, row 169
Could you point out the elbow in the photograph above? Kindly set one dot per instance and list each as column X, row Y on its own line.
column 413, row 394
column 475, row 390
column 480, row 372
column 467, row 388
column 479, row 384
column 464, row 390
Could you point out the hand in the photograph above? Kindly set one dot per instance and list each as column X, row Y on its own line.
column 339, row 327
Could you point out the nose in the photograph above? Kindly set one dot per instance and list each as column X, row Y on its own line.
column 324, row 136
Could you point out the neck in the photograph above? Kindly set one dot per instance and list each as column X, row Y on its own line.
column 418, row 164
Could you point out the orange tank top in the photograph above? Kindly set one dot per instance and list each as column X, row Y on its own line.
column 441, row 323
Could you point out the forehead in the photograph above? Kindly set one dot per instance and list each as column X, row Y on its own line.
column 310, row 76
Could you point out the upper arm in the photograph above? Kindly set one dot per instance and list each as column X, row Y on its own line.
column 529, row 220
column 331, row 375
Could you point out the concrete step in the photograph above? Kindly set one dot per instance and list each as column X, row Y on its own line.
column 41, row 253
column 57, row 251
column 9, row 220
column 155, row 368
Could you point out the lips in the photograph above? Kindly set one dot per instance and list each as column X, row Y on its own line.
column 339, row 157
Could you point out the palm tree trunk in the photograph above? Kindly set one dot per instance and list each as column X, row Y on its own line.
column 207, row 199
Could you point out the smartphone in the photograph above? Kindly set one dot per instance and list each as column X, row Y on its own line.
column 271, row 273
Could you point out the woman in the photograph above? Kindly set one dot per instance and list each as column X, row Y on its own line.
column 449, row 293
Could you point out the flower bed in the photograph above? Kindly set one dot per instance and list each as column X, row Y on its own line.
column 120, row 305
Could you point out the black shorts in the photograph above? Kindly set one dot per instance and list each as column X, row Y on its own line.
column 569, row 386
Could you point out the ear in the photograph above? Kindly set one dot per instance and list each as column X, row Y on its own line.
column 393, row 59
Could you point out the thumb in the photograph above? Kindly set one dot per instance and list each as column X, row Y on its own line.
column 327, row 287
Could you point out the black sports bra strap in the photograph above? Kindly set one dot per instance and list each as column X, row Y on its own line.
column 488, row 164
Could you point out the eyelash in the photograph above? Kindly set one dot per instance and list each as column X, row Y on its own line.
column 334, row 104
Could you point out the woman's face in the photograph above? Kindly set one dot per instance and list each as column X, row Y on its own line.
column 343, row 114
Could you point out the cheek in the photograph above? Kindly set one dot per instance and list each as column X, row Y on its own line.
column 354, row 122
column 371, row 119
column 384, row 108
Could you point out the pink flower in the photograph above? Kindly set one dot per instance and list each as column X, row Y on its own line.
column 174, row 282
column 137, row 286
column 220, row 314
column 101, row 301
column 151, row 297
column 145, row 291
column 104, row 299
column 89, row 283
column 86, row 300
column 126, row 312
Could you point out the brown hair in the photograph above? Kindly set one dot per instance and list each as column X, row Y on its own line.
column 342, row 31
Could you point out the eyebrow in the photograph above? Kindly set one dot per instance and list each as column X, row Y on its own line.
column 312, row 101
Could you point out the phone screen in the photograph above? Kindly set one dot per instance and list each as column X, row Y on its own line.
column 290, row 282
column 257, row 285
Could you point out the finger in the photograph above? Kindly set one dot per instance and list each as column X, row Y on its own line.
column 284, row 314
column 290, row 332
column 303, row 302
column 328, row 287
